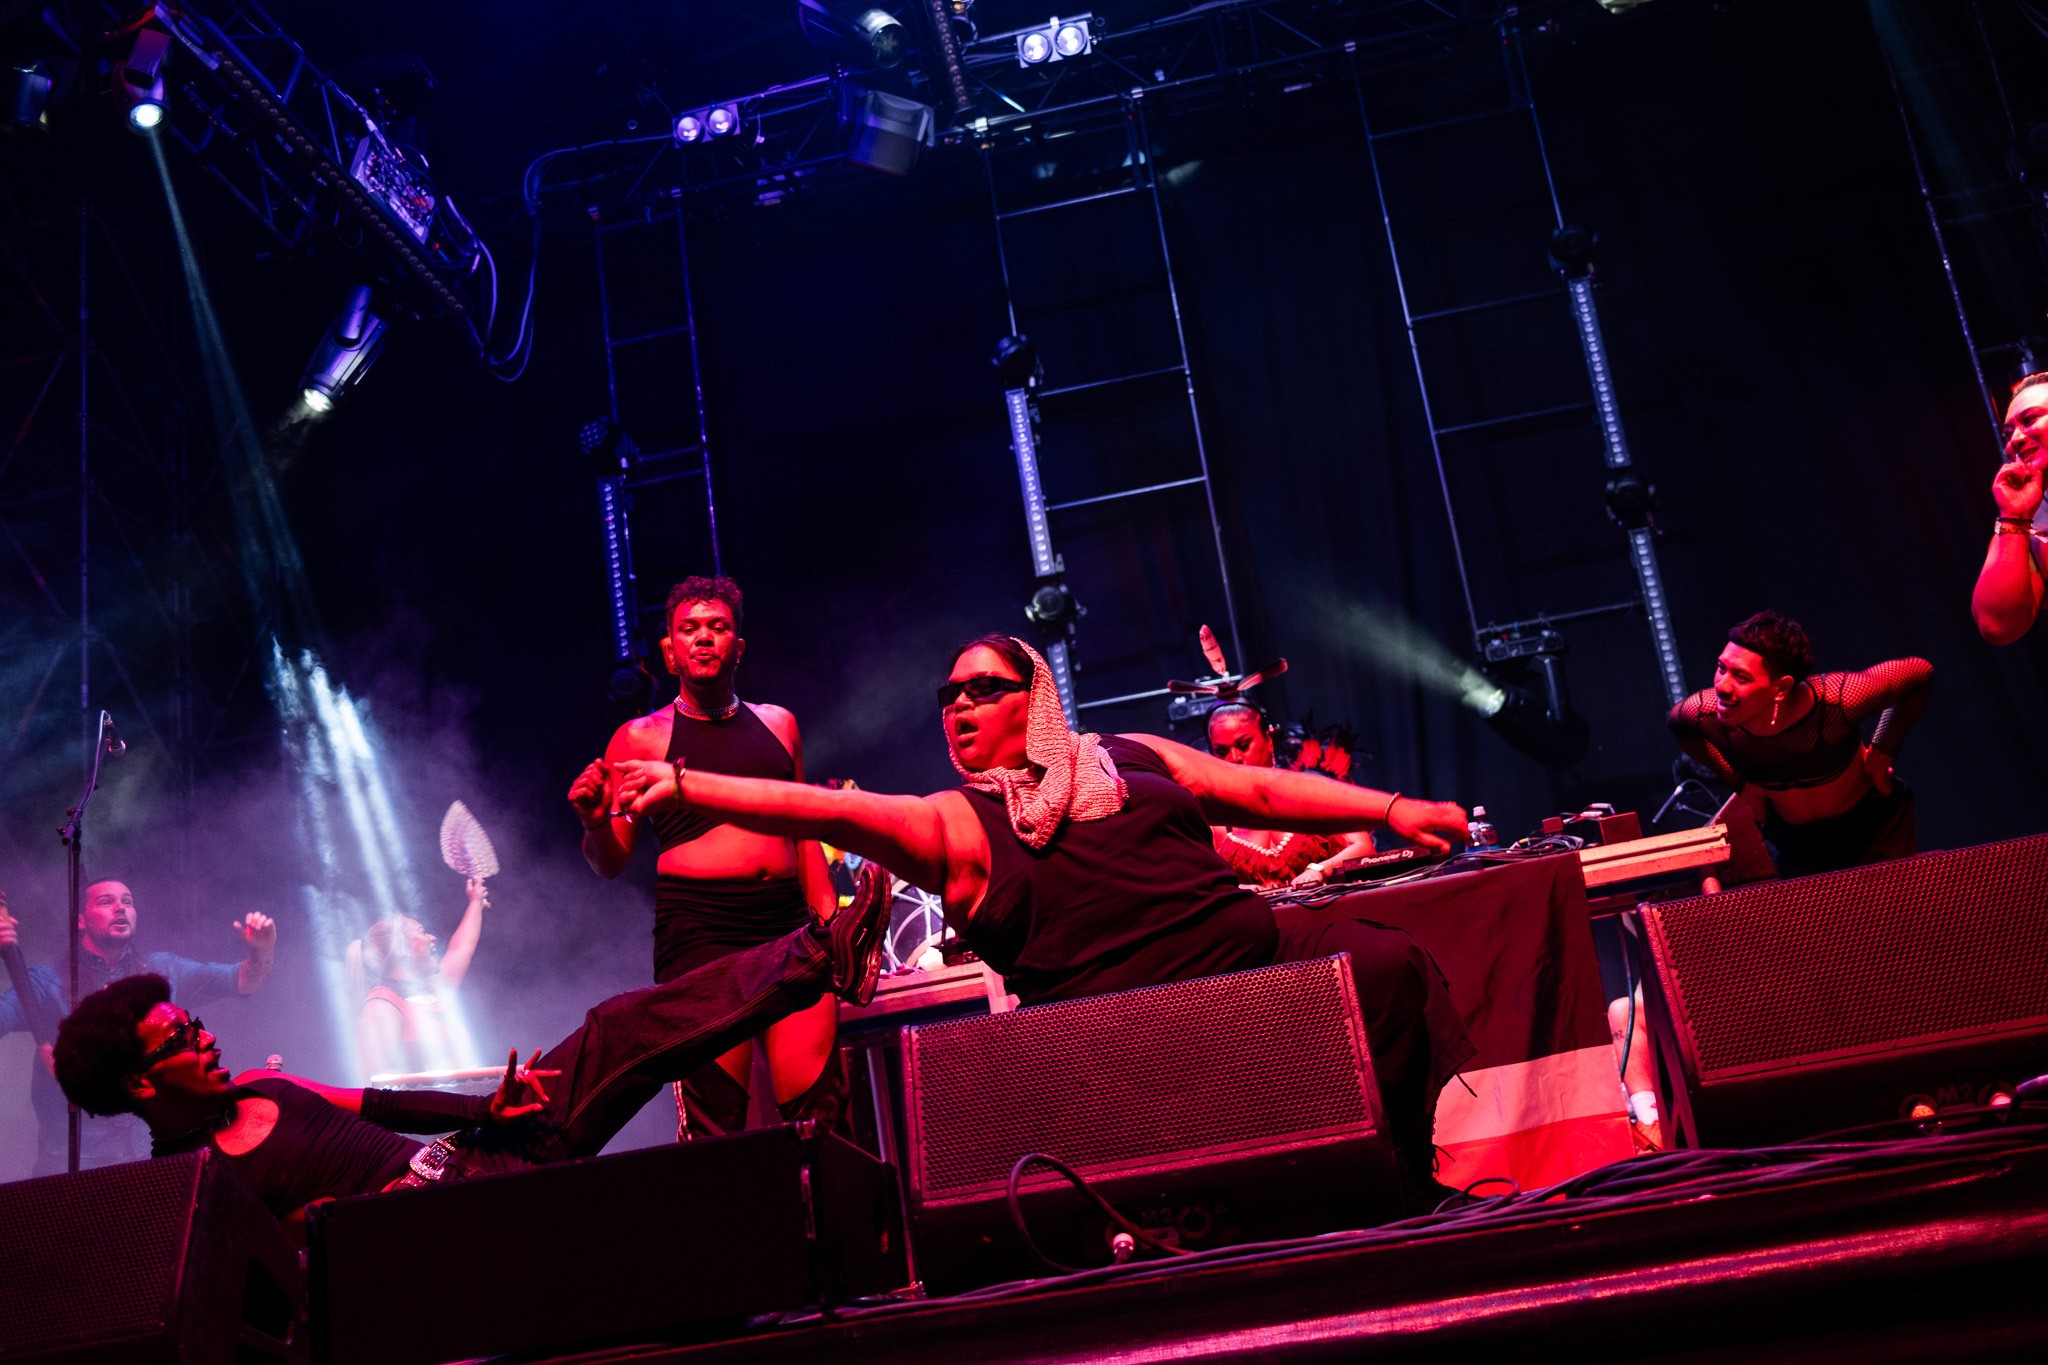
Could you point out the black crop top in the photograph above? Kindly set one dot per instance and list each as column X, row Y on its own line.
column 741, row 745
column 1821, row 745
column 1134, row 900
column 317, row 1151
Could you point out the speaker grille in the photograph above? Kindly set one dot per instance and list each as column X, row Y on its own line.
column 1884, row 956
column 1143, row 1078
column 94, row 1256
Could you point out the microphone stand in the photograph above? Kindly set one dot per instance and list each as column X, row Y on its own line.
column 73, row 835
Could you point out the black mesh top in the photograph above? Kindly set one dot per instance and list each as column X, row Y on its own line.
column 1822, row 744
column 1135, row 900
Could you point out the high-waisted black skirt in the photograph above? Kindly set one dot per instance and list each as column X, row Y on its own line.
column 698, row 920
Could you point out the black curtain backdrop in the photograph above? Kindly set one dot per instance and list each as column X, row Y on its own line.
column 1792, row 380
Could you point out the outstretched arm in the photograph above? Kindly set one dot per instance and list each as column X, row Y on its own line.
column 1273, row 798
column 433, row 1111
column 903, row 833
column 462, row 943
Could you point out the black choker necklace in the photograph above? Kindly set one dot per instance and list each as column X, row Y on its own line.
column 683, row 708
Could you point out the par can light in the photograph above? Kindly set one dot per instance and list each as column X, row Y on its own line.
column 1057, row 41
column 689, row 128
column 722, row 120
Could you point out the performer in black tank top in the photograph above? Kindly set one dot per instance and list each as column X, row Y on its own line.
column 719, row 889
column 1079, row 863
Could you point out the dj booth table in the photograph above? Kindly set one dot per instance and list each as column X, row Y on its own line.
column 1541, row 1100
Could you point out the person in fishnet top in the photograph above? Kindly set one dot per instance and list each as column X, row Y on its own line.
column 1791, row 742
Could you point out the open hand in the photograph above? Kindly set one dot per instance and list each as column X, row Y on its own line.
column 587, row 793
column 260, row 931
column 521, row 1092
column 2017, row 489
column 1878, row 764
column 1432, row 824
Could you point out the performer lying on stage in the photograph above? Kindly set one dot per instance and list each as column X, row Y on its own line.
column 1239, row 733
column 717, row 888
column 2008, row 594
column 403, row 987
column 128, row 1049
column 1787, row 739
column 1077, row 864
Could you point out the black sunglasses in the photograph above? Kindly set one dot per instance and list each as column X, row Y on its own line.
column 182, row 1038
column 979, row 689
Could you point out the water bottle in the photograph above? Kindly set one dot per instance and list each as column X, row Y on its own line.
column 1480, row 835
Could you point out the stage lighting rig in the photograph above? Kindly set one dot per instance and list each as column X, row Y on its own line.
column 1058, row 41
column 885, row 132
column 139, row 78
column 868, row 34
column 708, row 124
column 1053, row 607
column 1530, row 706
column 345, row 353
column 314, row 165
column 1017, row 363
column 607, row 446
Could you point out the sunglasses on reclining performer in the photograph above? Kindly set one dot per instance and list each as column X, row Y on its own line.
column 182, row 1038
column 979, row 689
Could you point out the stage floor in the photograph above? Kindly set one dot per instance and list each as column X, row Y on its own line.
column 1943, row 1258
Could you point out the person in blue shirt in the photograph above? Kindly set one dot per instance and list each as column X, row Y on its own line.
column 106, row 953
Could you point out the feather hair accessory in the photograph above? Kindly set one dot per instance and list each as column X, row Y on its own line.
column 464, row 845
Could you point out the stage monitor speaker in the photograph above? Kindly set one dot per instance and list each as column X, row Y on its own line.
column 1823, row 1002
column 664, row 1244
column 164, row 1260
column 1208, row 1111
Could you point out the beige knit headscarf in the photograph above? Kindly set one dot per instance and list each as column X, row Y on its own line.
column 1080, row 781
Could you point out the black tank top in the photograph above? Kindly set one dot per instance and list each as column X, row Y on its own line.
column 739, row 746
column 317, row 1151
column 1135, row 900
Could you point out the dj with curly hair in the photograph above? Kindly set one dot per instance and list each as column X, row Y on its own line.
column 1790, row 741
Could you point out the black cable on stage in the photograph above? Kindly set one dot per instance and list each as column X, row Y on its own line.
column 1079, row 1182
column 1636, row 1183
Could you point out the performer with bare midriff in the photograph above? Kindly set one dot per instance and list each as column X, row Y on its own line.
column 1789, row 740
column 720, row 888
